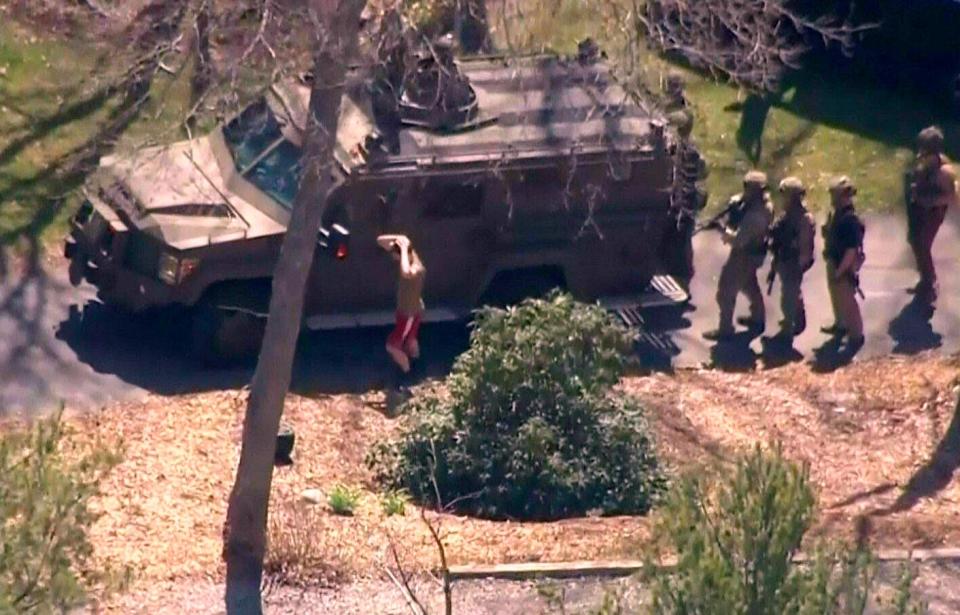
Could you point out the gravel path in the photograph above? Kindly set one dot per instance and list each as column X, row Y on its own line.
column 938, row 584
column 58, row 343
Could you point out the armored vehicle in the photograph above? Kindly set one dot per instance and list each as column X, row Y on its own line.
column 510, row 176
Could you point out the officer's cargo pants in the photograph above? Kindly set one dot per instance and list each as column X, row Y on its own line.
column 843, row 296
column 739, row 275
column 791, row 298
column 924, row 222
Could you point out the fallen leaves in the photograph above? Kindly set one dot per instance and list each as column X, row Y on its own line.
column 166, row 501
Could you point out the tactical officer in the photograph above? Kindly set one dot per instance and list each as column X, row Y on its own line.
column 932, row 190
column 843, row 250
column 686, row 199
column 746, row 233
column 791, row 245
column 677, row 105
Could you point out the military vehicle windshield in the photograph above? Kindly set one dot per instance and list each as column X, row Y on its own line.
column 262, row 154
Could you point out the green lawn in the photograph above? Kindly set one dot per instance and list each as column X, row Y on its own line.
column 49, row 106
column 821, row 127
column 51, row 102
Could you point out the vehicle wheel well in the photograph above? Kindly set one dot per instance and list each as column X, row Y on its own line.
column 511, row 286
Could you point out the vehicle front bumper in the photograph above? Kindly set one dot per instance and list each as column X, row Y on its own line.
column 96, row 249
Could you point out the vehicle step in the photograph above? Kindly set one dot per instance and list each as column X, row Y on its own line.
column 670, row 291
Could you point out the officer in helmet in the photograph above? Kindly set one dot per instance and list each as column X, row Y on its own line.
column 933, row 190
column 843, row 237
column 746, row 234
column 791, row 247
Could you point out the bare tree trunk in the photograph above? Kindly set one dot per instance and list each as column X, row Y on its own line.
column 245, row 528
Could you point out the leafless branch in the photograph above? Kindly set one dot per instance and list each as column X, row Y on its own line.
column 750, row 42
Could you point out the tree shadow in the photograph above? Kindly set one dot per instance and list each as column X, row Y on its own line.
column 832, row 97
column 912, row 330
column 937, row 473
column 131, row 346
column 26, row 293
column 42, row 127
column 753, row 120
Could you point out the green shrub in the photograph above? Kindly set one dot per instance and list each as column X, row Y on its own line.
column 394, row 502
column 736, row 539
column 343, row 500
column 527, row 425
column 46, row 558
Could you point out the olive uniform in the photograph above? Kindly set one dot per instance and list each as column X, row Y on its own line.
column 791, row 245
column 686, row 199
column 932, row 190
column 843, row 237
column 747, row 238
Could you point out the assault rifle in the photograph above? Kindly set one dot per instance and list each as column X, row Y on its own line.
column 730, row 216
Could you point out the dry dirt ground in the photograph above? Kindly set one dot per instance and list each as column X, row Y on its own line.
column 881, row 437
column 937, row 585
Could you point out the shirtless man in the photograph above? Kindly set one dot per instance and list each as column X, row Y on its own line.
column 402, row 344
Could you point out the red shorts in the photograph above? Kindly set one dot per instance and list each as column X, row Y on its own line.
column 405, row 330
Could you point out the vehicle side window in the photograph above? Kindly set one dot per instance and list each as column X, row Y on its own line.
column 453, row 201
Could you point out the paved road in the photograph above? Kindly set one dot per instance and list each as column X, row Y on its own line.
column 57, row 343
column 894, row 323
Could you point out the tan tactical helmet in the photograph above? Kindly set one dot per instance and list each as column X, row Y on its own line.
column 792, row 186
column 682, row 121
column 842, row 185
column 674, row 83
column 930, row 140
column 757, row 179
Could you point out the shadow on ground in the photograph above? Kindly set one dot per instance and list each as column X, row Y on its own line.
column 147, row 351
column 912, row 330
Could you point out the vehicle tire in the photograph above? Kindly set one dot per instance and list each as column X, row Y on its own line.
column 223, row 336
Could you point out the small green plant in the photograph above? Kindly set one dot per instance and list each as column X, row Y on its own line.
column 528, row 425
column 394, row 502
column 48, row 482
column 343, row 500
column 736, row 539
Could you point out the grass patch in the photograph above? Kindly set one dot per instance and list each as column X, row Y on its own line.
column 52, row 100
column 394, row 502
column 46, row 110
column 823, row 125
column 343, row 500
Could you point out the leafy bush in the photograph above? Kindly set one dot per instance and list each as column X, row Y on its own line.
column 736, row 539
column 343, row 500
column 46, row 558
column 527, row 425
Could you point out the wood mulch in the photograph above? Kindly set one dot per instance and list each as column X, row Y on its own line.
column 865, row 431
